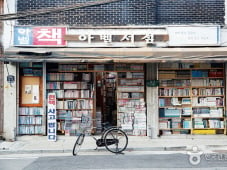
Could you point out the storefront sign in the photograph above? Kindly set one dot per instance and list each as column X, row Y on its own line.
column 39, row 36
column 115, row 37
column 194, row 35
column 51, row 117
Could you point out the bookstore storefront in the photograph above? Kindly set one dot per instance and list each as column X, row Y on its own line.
column 148, row 91
column 149, row 97
column 111, row 93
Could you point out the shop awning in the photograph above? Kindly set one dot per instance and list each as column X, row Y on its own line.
column 103, row 55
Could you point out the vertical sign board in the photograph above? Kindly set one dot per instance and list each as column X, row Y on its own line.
column 39, row 36
column 51, row 117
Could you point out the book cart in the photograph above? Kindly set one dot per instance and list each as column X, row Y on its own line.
column 75, row 88
column 191, row 98
column 31, row 117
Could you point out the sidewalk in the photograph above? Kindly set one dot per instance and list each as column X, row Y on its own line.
column 64, row 144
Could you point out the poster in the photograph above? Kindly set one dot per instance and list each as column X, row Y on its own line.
column 35, row 94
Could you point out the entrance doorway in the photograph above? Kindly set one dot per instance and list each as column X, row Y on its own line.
column 106, row 97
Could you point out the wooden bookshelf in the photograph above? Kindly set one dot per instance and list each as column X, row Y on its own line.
column 195, row 95
column 74, row 89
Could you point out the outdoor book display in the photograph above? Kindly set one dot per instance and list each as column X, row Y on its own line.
column 31, row 115
column 191, row 98
column 131, row 99
column 75, row 96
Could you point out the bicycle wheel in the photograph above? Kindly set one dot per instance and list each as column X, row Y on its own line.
column 116, row 140
column 78, row 144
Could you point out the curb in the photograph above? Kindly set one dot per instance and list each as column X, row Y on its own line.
column 181, row 148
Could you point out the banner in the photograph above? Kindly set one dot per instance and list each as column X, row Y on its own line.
column 51, row 117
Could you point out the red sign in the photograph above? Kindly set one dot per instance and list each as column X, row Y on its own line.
column 49, row 36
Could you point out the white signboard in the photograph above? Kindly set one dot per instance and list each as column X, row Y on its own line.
column 194, row 35
column 51, row 117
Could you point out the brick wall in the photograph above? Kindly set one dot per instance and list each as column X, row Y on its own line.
column 127, row 12
column 190, row 11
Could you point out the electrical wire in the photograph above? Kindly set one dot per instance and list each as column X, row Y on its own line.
column 13, row 16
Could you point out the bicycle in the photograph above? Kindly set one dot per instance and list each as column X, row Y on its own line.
column 114, row 139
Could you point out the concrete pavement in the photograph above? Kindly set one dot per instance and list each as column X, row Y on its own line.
column 64, row 144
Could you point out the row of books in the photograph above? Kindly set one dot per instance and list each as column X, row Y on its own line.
column 207, row 82
column 187, row 111
column 131, row 82
column 210, row 123
column 32, row 72
column 189, row 65
column 68, row 85
column 131, row 88
column 30, row 111
column 174, row 74
column 175, row 123
column 130, row 75
column 75, row 104
column 207, row 101
column 174, row 101
column 31, row 64
column 174, row 82
column 72, row 114
column 60, row 76
column 30, row 129
column 137, row 103
column 134, row 67
column 30, row 120
column 73, row 93
column 170, row 112
column 208, row 112
column 131, row 95
column 72, row 67
column 210, row 73
column 207, row 91
column 174, row 91
column 175, row 112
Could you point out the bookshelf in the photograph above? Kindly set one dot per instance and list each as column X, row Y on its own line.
column 75, row 95
column 131, row 98
column 31, row 121
column 191, row 98
column 31, row 115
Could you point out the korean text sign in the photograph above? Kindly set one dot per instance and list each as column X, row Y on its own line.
column 51, row 117
column 39, row 36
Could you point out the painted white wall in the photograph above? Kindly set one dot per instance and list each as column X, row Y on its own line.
column 10, row 92
column 10, row 111
column 223, row 37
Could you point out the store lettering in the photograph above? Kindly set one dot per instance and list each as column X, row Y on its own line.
column 109, row 38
